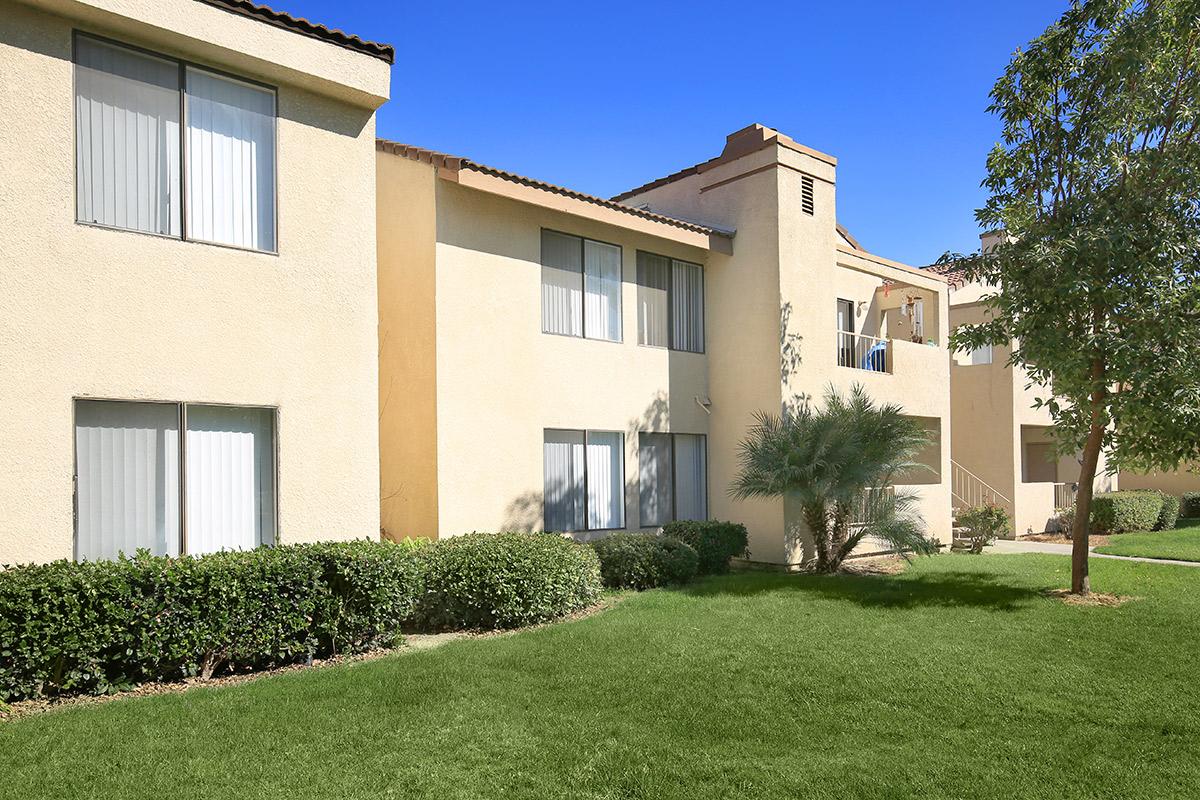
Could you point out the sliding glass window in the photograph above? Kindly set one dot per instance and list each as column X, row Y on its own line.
column 140, row 485
column 584, row 480
column 581, row 287
column 172, row 149
column 670, row 303
column 672, row 479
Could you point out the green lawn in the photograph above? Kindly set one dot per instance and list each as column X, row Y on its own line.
column 958, row 679
column 1181, row 544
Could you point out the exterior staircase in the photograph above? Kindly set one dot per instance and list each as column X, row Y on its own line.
column 968, row 490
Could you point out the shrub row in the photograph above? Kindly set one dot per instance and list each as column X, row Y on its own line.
column 100, row 626
column 1190, row 506
column 715, row 542
column 97, row 627
column 1121, row 512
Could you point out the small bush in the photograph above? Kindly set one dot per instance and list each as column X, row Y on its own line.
column 1169, row 516
column 1064, row 520
column 644, row 561
column 97, row 627
column 1121, row 512
column 504, row 580
column 714, row 541
column 1190, row 507
column 986, row 523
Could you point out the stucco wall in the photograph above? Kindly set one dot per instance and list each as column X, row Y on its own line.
column 407, row 220
column 499, row 382
column 775, row 321
column 101, row 313
column 1175, row 483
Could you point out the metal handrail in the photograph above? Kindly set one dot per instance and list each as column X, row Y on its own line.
column 859, row 351
column 971, row 490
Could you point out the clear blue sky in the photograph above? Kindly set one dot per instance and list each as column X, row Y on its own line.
column 603, row 96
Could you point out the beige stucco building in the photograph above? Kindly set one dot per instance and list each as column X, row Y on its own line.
column 554, row 360
column 188, row 286
column 1003, row 449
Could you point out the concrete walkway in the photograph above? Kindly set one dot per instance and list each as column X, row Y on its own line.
column 1008, row 546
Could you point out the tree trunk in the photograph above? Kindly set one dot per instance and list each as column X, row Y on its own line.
column 818, row 527
column 1080, row 582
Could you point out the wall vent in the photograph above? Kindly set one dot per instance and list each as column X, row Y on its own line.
column 806, row 194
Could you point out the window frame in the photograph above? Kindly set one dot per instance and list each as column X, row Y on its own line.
column 181, row 416
column 583, row 326
column 624, row 476
column 182, row 65
column 671, row 260
column 674, row 476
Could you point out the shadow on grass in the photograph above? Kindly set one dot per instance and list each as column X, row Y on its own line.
column 955, row 589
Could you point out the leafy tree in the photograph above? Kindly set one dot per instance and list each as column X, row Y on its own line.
column 1096, row 183
column 838, row 463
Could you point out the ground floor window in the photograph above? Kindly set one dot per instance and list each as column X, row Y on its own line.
column 139, row 484
column 673, row 477
column 584, row 480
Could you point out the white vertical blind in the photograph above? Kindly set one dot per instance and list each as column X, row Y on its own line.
column 655, row 506
column 563, row 468
column 605, row 481
column 230, row 161
column 691, row 477
column 230, row 478
column 687, row 307
column 562, row 284
column 602, row 290
column 127, row 478
column 654, row 313
column 126, row 138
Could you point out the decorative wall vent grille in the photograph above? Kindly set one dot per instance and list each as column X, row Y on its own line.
column 806, row 194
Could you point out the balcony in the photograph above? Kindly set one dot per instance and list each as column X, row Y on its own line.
column 859, row 351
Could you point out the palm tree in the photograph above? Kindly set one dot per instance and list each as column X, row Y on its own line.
column 839, row 464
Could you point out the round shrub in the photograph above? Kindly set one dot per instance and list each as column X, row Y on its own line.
column 1122, row 512
column 504, row 580
column 716, row 542
column 644, row 561
column 1190, row 505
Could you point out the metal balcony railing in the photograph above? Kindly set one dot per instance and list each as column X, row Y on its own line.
column 859, row 351
column 1064, row 494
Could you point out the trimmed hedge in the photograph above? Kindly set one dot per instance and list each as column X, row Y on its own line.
column 1121, row 512
column 98, row 627
column 504, row 580
column 714, row 541
column 1168, row 518
column 644, row 560
column 1190, row 506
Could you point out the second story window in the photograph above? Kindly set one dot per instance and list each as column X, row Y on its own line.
column 670, row 303
column 171, row 149
column 581, row 287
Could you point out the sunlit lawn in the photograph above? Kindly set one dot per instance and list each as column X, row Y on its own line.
column 957, row 679
column 1181, row 544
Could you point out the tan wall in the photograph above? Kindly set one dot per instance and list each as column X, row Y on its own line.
column 499, row 382
column 1175, row 483
column 86, row 312
column 994, row 416
column 773, row 337
column 407, row 348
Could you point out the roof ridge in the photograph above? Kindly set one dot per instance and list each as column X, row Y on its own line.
column 440, row 159
column 304, row 27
